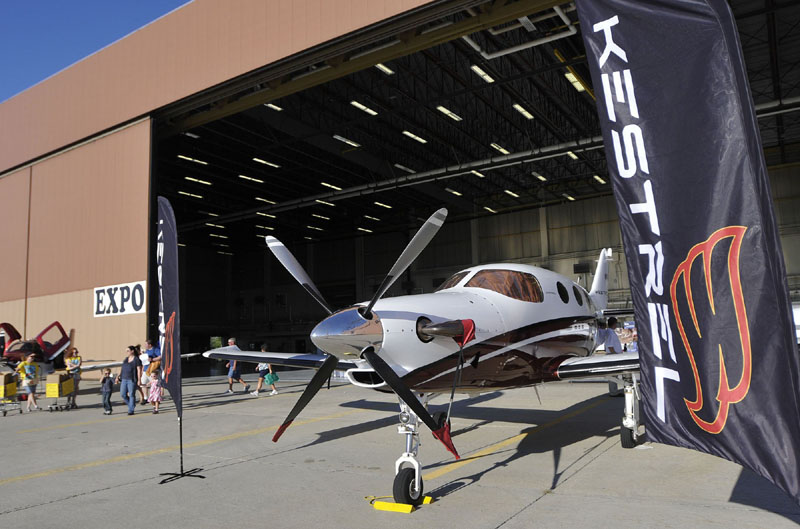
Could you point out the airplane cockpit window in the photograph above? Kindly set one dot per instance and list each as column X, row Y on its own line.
column 452, row 281
column 577, row 292
column 562, row 292
column 517, row 285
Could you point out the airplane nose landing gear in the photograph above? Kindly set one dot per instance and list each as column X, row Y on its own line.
column 408, row 486
column 629, row 432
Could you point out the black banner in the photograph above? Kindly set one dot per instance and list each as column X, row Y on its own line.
column 716, row 339
column 168, row 309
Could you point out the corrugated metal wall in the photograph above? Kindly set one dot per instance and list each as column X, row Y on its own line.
column 88, row 228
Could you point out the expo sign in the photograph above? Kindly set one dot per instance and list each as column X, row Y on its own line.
column 119, row 300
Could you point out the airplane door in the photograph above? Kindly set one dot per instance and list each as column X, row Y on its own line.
column 53, row 340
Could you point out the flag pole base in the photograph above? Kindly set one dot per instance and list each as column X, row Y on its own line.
column 178, row 475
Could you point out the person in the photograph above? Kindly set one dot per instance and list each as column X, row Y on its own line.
column 265, row 373
column 129, row 375
column 144, row 380
column 611, row 339
column 156, row 392
column 107, row 388
column 28, row 371
column 153, row 351
column 233, row 371
column 72, row 360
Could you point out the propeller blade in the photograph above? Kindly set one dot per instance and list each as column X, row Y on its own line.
column 293, row 267
column 319, row 378
column 414, row 248
column 390, row 377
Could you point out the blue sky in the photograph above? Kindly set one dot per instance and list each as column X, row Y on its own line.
column 41, row 37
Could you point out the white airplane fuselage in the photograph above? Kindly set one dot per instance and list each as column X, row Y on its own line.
column 516, row 342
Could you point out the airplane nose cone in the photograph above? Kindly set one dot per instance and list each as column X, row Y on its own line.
column 346, row 333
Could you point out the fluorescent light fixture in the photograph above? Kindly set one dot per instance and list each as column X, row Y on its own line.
column 217, row 235
column 264, row 227
column 189, row 194
column 449, row 113
column 197, row 180
column 404, row 168
column 490, row 210
column 268, row 215
column 477, row 173
column 314, row 228
column 245, row 177
column 224, row 253
column 364, row 229
column 363, row 108
column 599, row 179
column 181, row 244
column 215, row 225
column 572, row 155
column 372, row 218
column 323, row 202
column 453, row 191
column 347, row 141
column 273, row 106
column 510, row 193
column 574, row 80
column 219, row 244
column 195, row 160
column 483, row 75
column 499, row 148
column 381, row 204
column 385, row 69
column 259, row 160
column 309, row 238
column 326, row 184
column 519, row 108
column 210, row 214
column 265, row 200
column 414, row 137
column 540, row 177
column 320, row 216
column 190, row 134
column 568, row 197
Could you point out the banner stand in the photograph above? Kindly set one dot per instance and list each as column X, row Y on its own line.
column 187, row 474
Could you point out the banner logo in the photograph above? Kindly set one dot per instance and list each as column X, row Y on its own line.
column 729, row 283
column 168, row 351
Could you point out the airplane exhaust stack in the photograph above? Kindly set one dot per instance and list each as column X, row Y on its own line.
column 599, row 292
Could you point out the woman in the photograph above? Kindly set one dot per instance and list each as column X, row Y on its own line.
column 73, row 362
column 29, row 374
column 129, row 376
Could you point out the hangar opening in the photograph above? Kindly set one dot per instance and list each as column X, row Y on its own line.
column 342, row 151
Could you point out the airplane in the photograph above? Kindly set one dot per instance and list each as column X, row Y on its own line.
column 486, row 328
column 47, row 346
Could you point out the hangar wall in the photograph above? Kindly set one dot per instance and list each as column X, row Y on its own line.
column 76, row 221
column 202, row 44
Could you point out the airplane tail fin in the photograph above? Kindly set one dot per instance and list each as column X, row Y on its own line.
column 599, row 292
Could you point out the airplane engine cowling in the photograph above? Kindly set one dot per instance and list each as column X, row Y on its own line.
column 346, row 333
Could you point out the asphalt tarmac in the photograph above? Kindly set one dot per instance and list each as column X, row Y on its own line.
column 524, row 464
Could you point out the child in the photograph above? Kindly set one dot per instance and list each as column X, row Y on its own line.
column 106, row 388
column 29, row 374
column 155, row 390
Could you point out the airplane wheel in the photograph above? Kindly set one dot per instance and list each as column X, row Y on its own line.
column 403, row 488
column 439, row 418
column 626, row 437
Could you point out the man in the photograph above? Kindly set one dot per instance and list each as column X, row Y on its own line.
column 233, row 371
column 613, row 346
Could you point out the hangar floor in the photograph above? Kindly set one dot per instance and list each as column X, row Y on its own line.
column 558, row 464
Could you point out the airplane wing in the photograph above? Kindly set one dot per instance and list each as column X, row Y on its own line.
column 314, row 361
column 111, row 365
column 598, row 365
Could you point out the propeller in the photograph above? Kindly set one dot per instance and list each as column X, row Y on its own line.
column 293, row 267
column 319, row 378
column 388, row 375
column 412, row 251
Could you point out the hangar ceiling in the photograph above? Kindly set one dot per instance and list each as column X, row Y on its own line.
column 493, row 111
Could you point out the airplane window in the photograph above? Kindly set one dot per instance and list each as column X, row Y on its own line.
column 517, row 285
column 452, row 281
column 577, row 292
column 562, row 292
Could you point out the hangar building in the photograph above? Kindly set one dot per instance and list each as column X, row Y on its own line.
column 336, row 126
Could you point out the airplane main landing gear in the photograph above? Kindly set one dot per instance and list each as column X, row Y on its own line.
column 408, row 487
column 629, row 431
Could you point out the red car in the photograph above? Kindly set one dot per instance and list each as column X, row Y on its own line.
column 47, row 346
